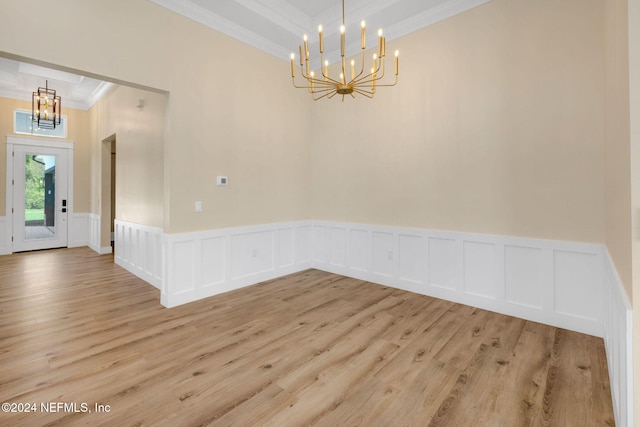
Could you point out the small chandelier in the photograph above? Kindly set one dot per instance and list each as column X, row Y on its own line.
column 359, row 82
column 46, row 107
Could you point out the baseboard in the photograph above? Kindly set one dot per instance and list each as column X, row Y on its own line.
column 618, row 341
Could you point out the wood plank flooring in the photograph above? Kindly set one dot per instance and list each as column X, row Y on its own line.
column 312, row 348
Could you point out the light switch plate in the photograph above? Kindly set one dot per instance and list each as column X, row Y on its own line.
column 222, row 180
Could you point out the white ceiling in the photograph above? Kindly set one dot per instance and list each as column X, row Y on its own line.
column 277, row 26
column 273, row 26
column 18, row 80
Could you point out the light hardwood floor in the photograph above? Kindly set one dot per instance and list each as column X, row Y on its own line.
column 312, row 348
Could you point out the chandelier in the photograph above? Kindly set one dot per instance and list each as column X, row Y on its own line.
column 352, row 80
column 46, row 107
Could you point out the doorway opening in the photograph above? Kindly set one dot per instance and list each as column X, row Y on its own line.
column 38, row 195
column 108, row 196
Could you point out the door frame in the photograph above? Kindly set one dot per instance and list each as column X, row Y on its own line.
column 12, row 141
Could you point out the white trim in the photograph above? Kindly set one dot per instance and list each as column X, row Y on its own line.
column 553, row 282
column 78, row 224
column 618, row 341
column 138, row 249
column 293, row 23
column 94, row 235
column 35, row 142
column 39, row 141
column 5, row 235
column 202, row 264
column 63, row 125
column 564, row 284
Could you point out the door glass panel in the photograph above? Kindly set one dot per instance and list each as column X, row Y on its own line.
column 39, row 197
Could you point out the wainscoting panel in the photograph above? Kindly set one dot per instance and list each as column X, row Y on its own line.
column 139, row 250
column 553, row 282
column 286, row 247
column 479, row 260
column 359, row 251
column 523, row 276
column 618, row 342
column 213, row 261
column 202, row 264
column 442, row 264
column 337, row 247
column 5, row 235
column 79, row 230
column 578, row 284
column 252, row 253
column 94, row 235
column 383, row 255
column 303, row 247
column 412, row 253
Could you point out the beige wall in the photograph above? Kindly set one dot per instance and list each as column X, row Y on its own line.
column 232, row 111
column 496, row 126
column 139, row 133
column 77, row 131
column 634, row 112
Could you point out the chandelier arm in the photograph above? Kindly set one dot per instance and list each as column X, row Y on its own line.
column 367, row 78
column 365, row 93
column 355, row 80
column 389, row 84
column 315, row 80
column 315, row 88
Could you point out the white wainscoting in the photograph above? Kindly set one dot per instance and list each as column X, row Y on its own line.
column 618, row 341
column 564, row 284
column 94, row 235
column 78, row 230
column 5, row 235
column 202, row 264
column 138, row 248
column 552, row 282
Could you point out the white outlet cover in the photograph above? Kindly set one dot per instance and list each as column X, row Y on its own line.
column 222, row 180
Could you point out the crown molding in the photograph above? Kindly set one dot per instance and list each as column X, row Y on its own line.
column 291, row 20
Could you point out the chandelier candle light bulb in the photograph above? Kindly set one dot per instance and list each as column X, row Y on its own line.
column 360, row 82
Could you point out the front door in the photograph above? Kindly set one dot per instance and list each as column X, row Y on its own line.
column 39, row 197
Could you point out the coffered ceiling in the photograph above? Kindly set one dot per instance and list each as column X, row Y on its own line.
column 277, row 26
column 18, row 80
column 273, row 26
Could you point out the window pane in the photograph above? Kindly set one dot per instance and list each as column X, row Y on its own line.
column 24, row 124
column 39, row 196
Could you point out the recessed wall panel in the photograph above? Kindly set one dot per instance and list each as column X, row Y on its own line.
column 320, row 244
column 383, row 253
column 251, row 253
column 412, row 258
column 480, row 269
column 338, row 246
column 576, row 277
column 523, row 276
column 443, row 270
column 182, row 278
column 286, row 247
column 359, row 250
column 213, row 260
column 303, row 243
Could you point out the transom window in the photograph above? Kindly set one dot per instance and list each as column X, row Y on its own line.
column 23, row 124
